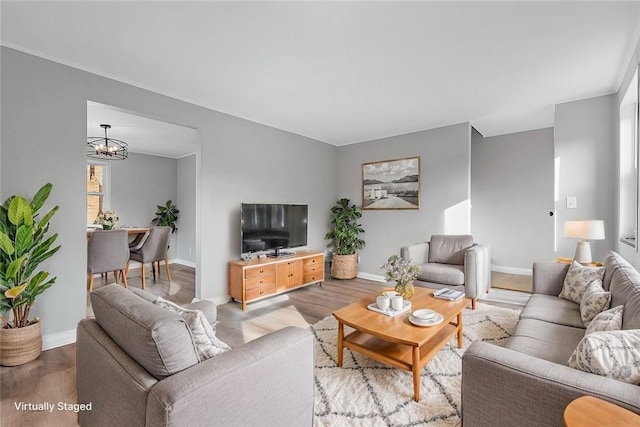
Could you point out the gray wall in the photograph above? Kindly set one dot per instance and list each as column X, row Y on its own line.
column 445, row 155
column 138, row 185
column 43, row 138
column 511, row 195
column 585, row 148
column 186, row 203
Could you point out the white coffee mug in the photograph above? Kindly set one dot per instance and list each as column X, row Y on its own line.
column 397, row 302
column 383, row 302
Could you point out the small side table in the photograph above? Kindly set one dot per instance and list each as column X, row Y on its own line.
column 589, row 411
column 565, row 260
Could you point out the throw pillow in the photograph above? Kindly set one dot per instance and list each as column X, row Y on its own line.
column 612, row 354
column 594, row 300
column 577, row 279
column 609, row 320
column 203, row 335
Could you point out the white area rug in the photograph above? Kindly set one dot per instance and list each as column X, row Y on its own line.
column 366, row 393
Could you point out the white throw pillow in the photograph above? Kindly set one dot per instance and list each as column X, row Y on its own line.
column 578, row 279
column 203, row 335
column 612, row 354
column 609, row 320
column 594, row 301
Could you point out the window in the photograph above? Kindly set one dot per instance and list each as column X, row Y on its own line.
column 97, row 189
column 629, row 164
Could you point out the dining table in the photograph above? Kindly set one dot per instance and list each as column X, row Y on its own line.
column 132, row 231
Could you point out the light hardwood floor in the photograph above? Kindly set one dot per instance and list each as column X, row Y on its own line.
column 52, row 377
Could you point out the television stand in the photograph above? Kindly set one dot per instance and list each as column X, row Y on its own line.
column 260, row 278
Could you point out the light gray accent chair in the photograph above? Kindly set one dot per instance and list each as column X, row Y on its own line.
column 137, row 365
column 528, row 383
column 452, row 261
column 153, row 250
column 107, row 251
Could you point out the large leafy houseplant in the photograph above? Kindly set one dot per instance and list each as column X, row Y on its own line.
column 23, row 246
column 344, row 218
column 346, row 240
column 166, row 216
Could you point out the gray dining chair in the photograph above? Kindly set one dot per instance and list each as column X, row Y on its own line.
column 153, row 250
column 107, row 251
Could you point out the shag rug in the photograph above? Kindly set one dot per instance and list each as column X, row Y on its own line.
column 367, row 393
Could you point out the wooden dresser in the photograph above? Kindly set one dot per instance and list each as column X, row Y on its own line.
column 264, row 277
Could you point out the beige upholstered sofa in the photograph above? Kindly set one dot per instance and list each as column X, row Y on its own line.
column 137, row 365
column 452, row 261
column 528, row 383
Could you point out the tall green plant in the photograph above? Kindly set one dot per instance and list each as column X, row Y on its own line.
column 167, row 216
column 23, row 246
column 344, row 218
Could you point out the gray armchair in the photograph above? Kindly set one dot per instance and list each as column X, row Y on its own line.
column 107, row 251
column 452, row 261
column 153, row 250
column 137, row 366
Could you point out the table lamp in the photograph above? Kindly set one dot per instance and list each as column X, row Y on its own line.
column 584, row 231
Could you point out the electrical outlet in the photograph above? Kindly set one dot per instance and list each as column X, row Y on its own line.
column 572, row 202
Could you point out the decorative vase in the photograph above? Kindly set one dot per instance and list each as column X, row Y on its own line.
column 20, row 345
column 405, row 289
column 107, row 227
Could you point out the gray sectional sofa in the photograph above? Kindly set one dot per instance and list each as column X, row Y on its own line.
column 528, row 383
column 137, row 365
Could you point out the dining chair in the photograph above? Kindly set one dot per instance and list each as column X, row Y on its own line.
column 153, row 250
column 107, row 251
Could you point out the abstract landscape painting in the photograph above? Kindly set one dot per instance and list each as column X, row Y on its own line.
column 391, row 184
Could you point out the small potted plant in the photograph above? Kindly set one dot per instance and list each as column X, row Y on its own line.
column 344, row 218
column 402, row 273
column 23, row 246
column 166, row 216
column 107, row 219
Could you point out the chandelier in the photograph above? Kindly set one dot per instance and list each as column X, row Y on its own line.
column 104, row 148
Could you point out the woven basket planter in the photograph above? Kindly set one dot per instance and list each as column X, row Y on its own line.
column 20, row 345
column 344, row 266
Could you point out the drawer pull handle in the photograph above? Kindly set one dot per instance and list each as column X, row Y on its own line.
column 261, row 271
column 261, row 292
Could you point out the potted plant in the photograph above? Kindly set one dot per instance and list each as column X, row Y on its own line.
column 23, row 246
column 166, row 216
column 107, row 219
column 344, row 218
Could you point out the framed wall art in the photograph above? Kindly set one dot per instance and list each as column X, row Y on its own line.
column 391, row 184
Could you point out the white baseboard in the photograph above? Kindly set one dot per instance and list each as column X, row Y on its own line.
column 369, row 276
column 512, row 270
column 496, row 268
column 183, row 262
column 58, row 339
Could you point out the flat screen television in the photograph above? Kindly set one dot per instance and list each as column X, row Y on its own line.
column 272, row 227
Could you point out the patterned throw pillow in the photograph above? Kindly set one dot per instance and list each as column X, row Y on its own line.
column 577, row 279
column 594, row 300
column 609, row 320
column 203, row 335
column 613, row 354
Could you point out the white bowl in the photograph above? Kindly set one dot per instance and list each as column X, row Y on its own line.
column 424, row 314
column 390, row 294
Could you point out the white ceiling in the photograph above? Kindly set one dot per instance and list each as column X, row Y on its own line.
column 144, row 135
column 344, row 72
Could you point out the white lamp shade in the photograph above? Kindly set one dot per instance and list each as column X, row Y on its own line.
column 584, row 230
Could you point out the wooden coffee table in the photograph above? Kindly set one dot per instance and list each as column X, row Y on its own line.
column 395, row 341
